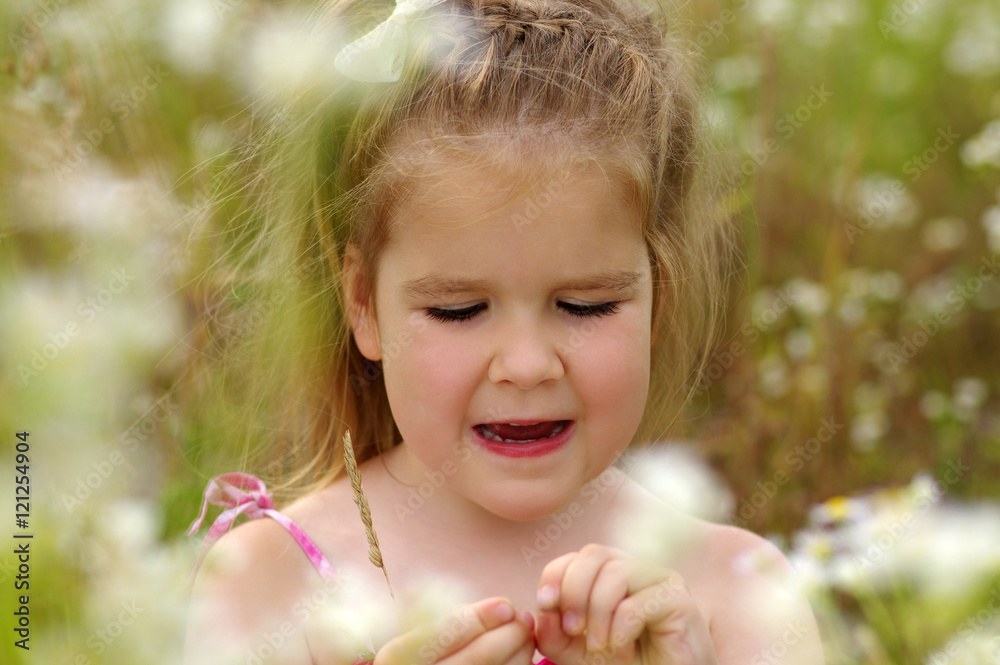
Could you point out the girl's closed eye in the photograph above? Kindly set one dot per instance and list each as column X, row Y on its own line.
column 590, row 309
column 465, row 313
column 448, row 314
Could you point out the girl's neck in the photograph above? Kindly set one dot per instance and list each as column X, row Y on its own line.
column 395, row 476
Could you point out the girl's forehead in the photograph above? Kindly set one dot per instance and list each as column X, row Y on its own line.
column 464, row 191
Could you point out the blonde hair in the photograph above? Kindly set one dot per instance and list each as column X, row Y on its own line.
column 490, row 82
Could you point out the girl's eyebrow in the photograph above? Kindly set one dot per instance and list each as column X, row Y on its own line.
column 432, row 286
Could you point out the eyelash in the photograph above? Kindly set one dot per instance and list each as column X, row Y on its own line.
column 467, row 313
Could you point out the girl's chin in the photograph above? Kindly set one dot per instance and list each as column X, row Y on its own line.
column 528, row 509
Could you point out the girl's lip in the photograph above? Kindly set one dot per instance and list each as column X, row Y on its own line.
column 534, row 449
column 526, row 421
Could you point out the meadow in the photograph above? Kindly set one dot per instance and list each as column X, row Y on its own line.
column 850, row 410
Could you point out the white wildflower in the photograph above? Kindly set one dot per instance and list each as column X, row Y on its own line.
column 983, row 149
column 810, row 299
column 884, row 202
column 773, row 375
column 678, row 477
column 991, row 223
column 934, row 405
column 191, row 33
column 930, row 295
column 977, row 642
column 852, row 311
column 292, row 60
column 826, row 16
column 868, row 428
column 799, row 343
column 975, row 49
column 943, row 234
column 353, row 615
column 776, row 13
column 741, row 71
column 970, row 393
column 951, row 549
column 886, row 285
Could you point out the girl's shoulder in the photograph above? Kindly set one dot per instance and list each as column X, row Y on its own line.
column 260, row 579
column 742, row 583
column 243, row 590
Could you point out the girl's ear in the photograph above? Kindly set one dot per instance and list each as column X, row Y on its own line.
column 360, row 310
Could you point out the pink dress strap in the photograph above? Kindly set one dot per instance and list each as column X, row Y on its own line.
column 243, row 494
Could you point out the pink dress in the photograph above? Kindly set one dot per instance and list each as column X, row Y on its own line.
column 243, row 494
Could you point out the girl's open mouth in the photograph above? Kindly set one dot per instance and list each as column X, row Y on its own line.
column 524, row 439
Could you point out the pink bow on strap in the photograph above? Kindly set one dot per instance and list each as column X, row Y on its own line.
column 242, row 494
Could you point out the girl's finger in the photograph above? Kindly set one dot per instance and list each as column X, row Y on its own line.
column 512, row 642
column 577, row 583
column 550, row 581
column 549, row 632
column 524, row 655
column 655, row 604
column 610, row 588
column 427, row 645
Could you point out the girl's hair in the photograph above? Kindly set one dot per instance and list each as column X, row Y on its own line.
column 532, row 87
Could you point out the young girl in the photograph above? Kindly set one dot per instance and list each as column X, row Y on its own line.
column 509, row 276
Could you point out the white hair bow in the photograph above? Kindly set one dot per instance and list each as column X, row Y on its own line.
column 379, row 55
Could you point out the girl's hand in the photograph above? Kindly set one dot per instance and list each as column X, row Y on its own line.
column 485, row 633
column 603, row 606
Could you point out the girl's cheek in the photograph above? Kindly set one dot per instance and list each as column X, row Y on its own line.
column 443, row 362
column 615, row 361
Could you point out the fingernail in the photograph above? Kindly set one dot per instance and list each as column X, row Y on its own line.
column 504, row 612
column 547, row 596
column 571, row 622
column 592, row 643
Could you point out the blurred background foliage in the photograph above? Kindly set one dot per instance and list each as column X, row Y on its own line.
column 860, row 348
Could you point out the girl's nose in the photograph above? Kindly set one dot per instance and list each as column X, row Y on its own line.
column 525, row 357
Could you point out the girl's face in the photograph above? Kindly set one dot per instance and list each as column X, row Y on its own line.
column 514, row 337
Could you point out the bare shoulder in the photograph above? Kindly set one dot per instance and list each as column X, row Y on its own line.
column 742, row 584
column 756, row 613
column 245, row 590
